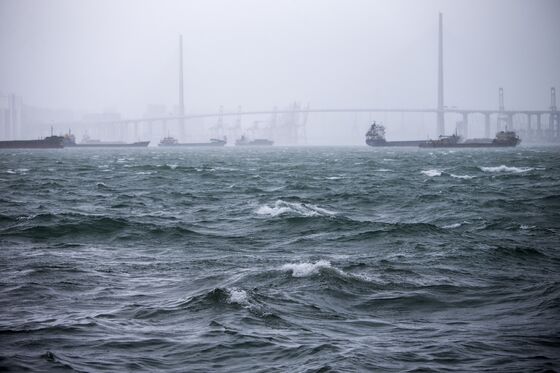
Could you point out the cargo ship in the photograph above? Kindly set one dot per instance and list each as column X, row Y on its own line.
column 70, row 141
column 244, row 141
column 50, row 142
column 502, row 139
column 171, row 141
column 375, row 136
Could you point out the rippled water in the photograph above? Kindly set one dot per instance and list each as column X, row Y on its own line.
column 280, row 259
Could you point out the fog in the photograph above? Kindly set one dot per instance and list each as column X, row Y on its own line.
column 121, row 56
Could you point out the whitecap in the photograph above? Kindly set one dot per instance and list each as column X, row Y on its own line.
column 527, row 227
column 461, row 176
column 10, row 171
column 305, row 269
column 237, row 296
column 282, row 207
column 172, row 166
column 432, row 173
column 504, row 168
column 383, row 170
column 451, row 226
column 334, row 177
column 227, row 169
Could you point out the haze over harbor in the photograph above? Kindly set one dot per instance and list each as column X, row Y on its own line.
column 279, row 186
column 257, row 57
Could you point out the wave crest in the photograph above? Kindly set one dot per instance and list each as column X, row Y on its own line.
column 461, row 176
column 504, row 168
column 237, row 296
column 282, row 207
column 305, row 269
column 432, row 173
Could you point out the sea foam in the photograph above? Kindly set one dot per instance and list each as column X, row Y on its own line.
column 282, row 207
column 504, row 168
column 237, row 296
column 432, row 173
column 452, row 226
column 461, row 176
column 305, row 269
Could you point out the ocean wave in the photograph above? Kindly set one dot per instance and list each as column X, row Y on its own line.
column 17, row 171
column 237, row 296
column 466, row 177
column 504, row 168
column 90, row 226
column 432, row 173
column 219, row 296
column 281, row 207
column 305, row 269
column 452, row 226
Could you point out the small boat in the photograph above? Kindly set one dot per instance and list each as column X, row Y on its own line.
column 502, row 139
column 244, row 141
column 70, row 141
column 171, row 141
column 375, row 136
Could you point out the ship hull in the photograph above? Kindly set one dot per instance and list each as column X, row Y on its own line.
column 54, row 142
column 467, row 145
column 255, row 143
column 376, row 144
column 193, row 145
column 140, row 144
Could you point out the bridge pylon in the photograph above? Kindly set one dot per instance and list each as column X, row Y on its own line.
column 440, row 104
column 554, row 117
column 503, row 119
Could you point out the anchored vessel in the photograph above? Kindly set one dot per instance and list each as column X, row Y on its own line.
column 171, row 141
column 70, row 141
column 50, row 142
column 502, row 139
column 375, row 136
column 244, row 141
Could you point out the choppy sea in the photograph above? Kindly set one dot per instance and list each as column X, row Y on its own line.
column 327, row 259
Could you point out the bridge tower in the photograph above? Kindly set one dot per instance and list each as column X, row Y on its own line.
column 502, row 122
column 440, row 106
column 181, row 112
column 218, row 129
column 554, row 118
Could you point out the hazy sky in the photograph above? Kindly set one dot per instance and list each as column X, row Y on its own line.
column 92, row 55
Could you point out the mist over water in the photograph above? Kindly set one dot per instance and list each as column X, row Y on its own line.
column 310, row 255
column 280, row 259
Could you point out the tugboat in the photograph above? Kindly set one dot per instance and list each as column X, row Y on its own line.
column 171, row 141
column 70, row 141
column 244, row 141
column 375, row 137
column 502, row 139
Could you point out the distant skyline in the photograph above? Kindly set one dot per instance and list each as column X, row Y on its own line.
column 123, row 55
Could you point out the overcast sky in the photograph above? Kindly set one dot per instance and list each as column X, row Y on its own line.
column 93, row 55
